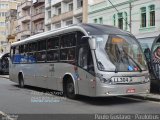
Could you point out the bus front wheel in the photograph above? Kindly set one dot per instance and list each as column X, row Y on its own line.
column 70, row 90
column 21, row 81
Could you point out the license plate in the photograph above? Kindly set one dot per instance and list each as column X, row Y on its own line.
column 132, row 90
column 121, row 79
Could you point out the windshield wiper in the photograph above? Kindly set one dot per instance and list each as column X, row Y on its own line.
column 140, row 70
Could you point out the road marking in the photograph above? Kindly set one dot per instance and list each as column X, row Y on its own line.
column 5, row 116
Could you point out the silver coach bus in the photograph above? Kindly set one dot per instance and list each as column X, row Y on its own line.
column 86, row 59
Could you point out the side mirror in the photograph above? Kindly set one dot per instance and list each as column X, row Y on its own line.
column 91, row 40
column 92, row 43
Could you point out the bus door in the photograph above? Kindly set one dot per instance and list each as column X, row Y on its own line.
column 86, row 68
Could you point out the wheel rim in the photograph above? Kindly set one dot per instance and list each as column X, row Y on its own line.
column 70, row 88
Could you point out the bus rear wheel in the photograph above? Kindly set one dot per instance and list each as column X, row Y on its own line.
column 70, row 90
column 21, row 81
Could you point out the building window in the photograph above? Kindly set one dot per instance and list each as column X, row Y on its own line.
column 79, row 19
column 28, row 12
column 18, row 14
column 70, row 7
column 36, row 11
column 79, row 3
column 49, row 1
column 143, row 17
column 2, row 24
column 120, row 20
column 114, row 20
column 57, row 25
column 36, row 27
column 49, row 14
column 48, row 27
column 59, row 11
column 152, row 15
column 69, row 22
column 18, row 28
column 95, row 20
column 101, row 20
column 41, row 25
column 3, row 6
column 28, row 26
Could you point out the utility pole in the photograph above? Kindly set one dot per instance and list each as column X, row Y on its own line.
column 130, row 13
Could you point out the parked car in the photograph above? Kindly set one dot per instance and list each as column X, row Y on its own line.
column 4, row 63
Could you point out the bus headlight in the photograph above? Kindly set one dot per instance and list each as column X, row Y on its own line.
column 102, row 79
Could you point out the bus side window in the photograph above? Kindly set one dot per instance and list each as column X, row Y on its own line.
column 82, row 57
column 85, row 59
column 84, row 53
column 12, row 53
column 90, row 62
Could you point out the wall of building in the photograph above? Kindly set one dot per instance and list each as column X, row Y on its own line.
column 5, row 6
column 71, row 13
column 105, row 11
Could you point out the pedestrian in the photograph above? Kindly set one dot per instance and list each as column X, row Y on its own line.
column 156, row 55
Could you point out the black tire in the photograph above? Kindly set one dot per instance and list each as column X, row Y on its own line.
column 70, row 89
column 21, row 81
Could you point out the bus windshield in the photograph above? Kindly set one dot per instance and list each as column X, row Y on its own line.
column 119, row 53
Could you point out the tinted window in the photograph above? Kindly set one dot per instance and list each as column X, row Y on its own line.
column 41, row 45
column 53, row 43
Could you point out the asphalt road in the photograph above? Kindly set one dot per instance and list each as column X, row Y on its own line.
column 31, row 100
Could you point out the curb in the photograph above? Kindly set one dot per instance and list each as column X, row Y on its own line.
column 150, row 97
column 2, row 76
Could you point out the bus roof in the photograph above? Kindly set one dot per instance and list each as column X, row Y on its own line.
column 88, row 29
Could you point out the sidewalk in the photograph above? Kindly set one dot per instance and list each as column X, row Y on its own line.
column 150, row 96
column 4, row 76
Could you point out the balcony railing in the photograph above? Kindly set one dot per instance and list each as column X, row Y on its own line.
column 54, row 2
column 25, row 32
column 26, row 18
column 63, row 16
column 78, row 11
column 38, row 31
column 38, row 16
column 26, row 4
column 37, row 2
column 48, row 5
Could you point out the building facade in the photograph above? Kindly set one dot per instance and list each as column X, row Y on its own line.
column 38, row 9
column 60, row 13
column 139, row 17
column 5, row 6
column 11, row 23
column 30, row 15
column 23, row 27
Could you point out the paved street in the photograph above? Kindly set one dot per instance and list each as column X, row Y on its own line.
column 14, row 100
